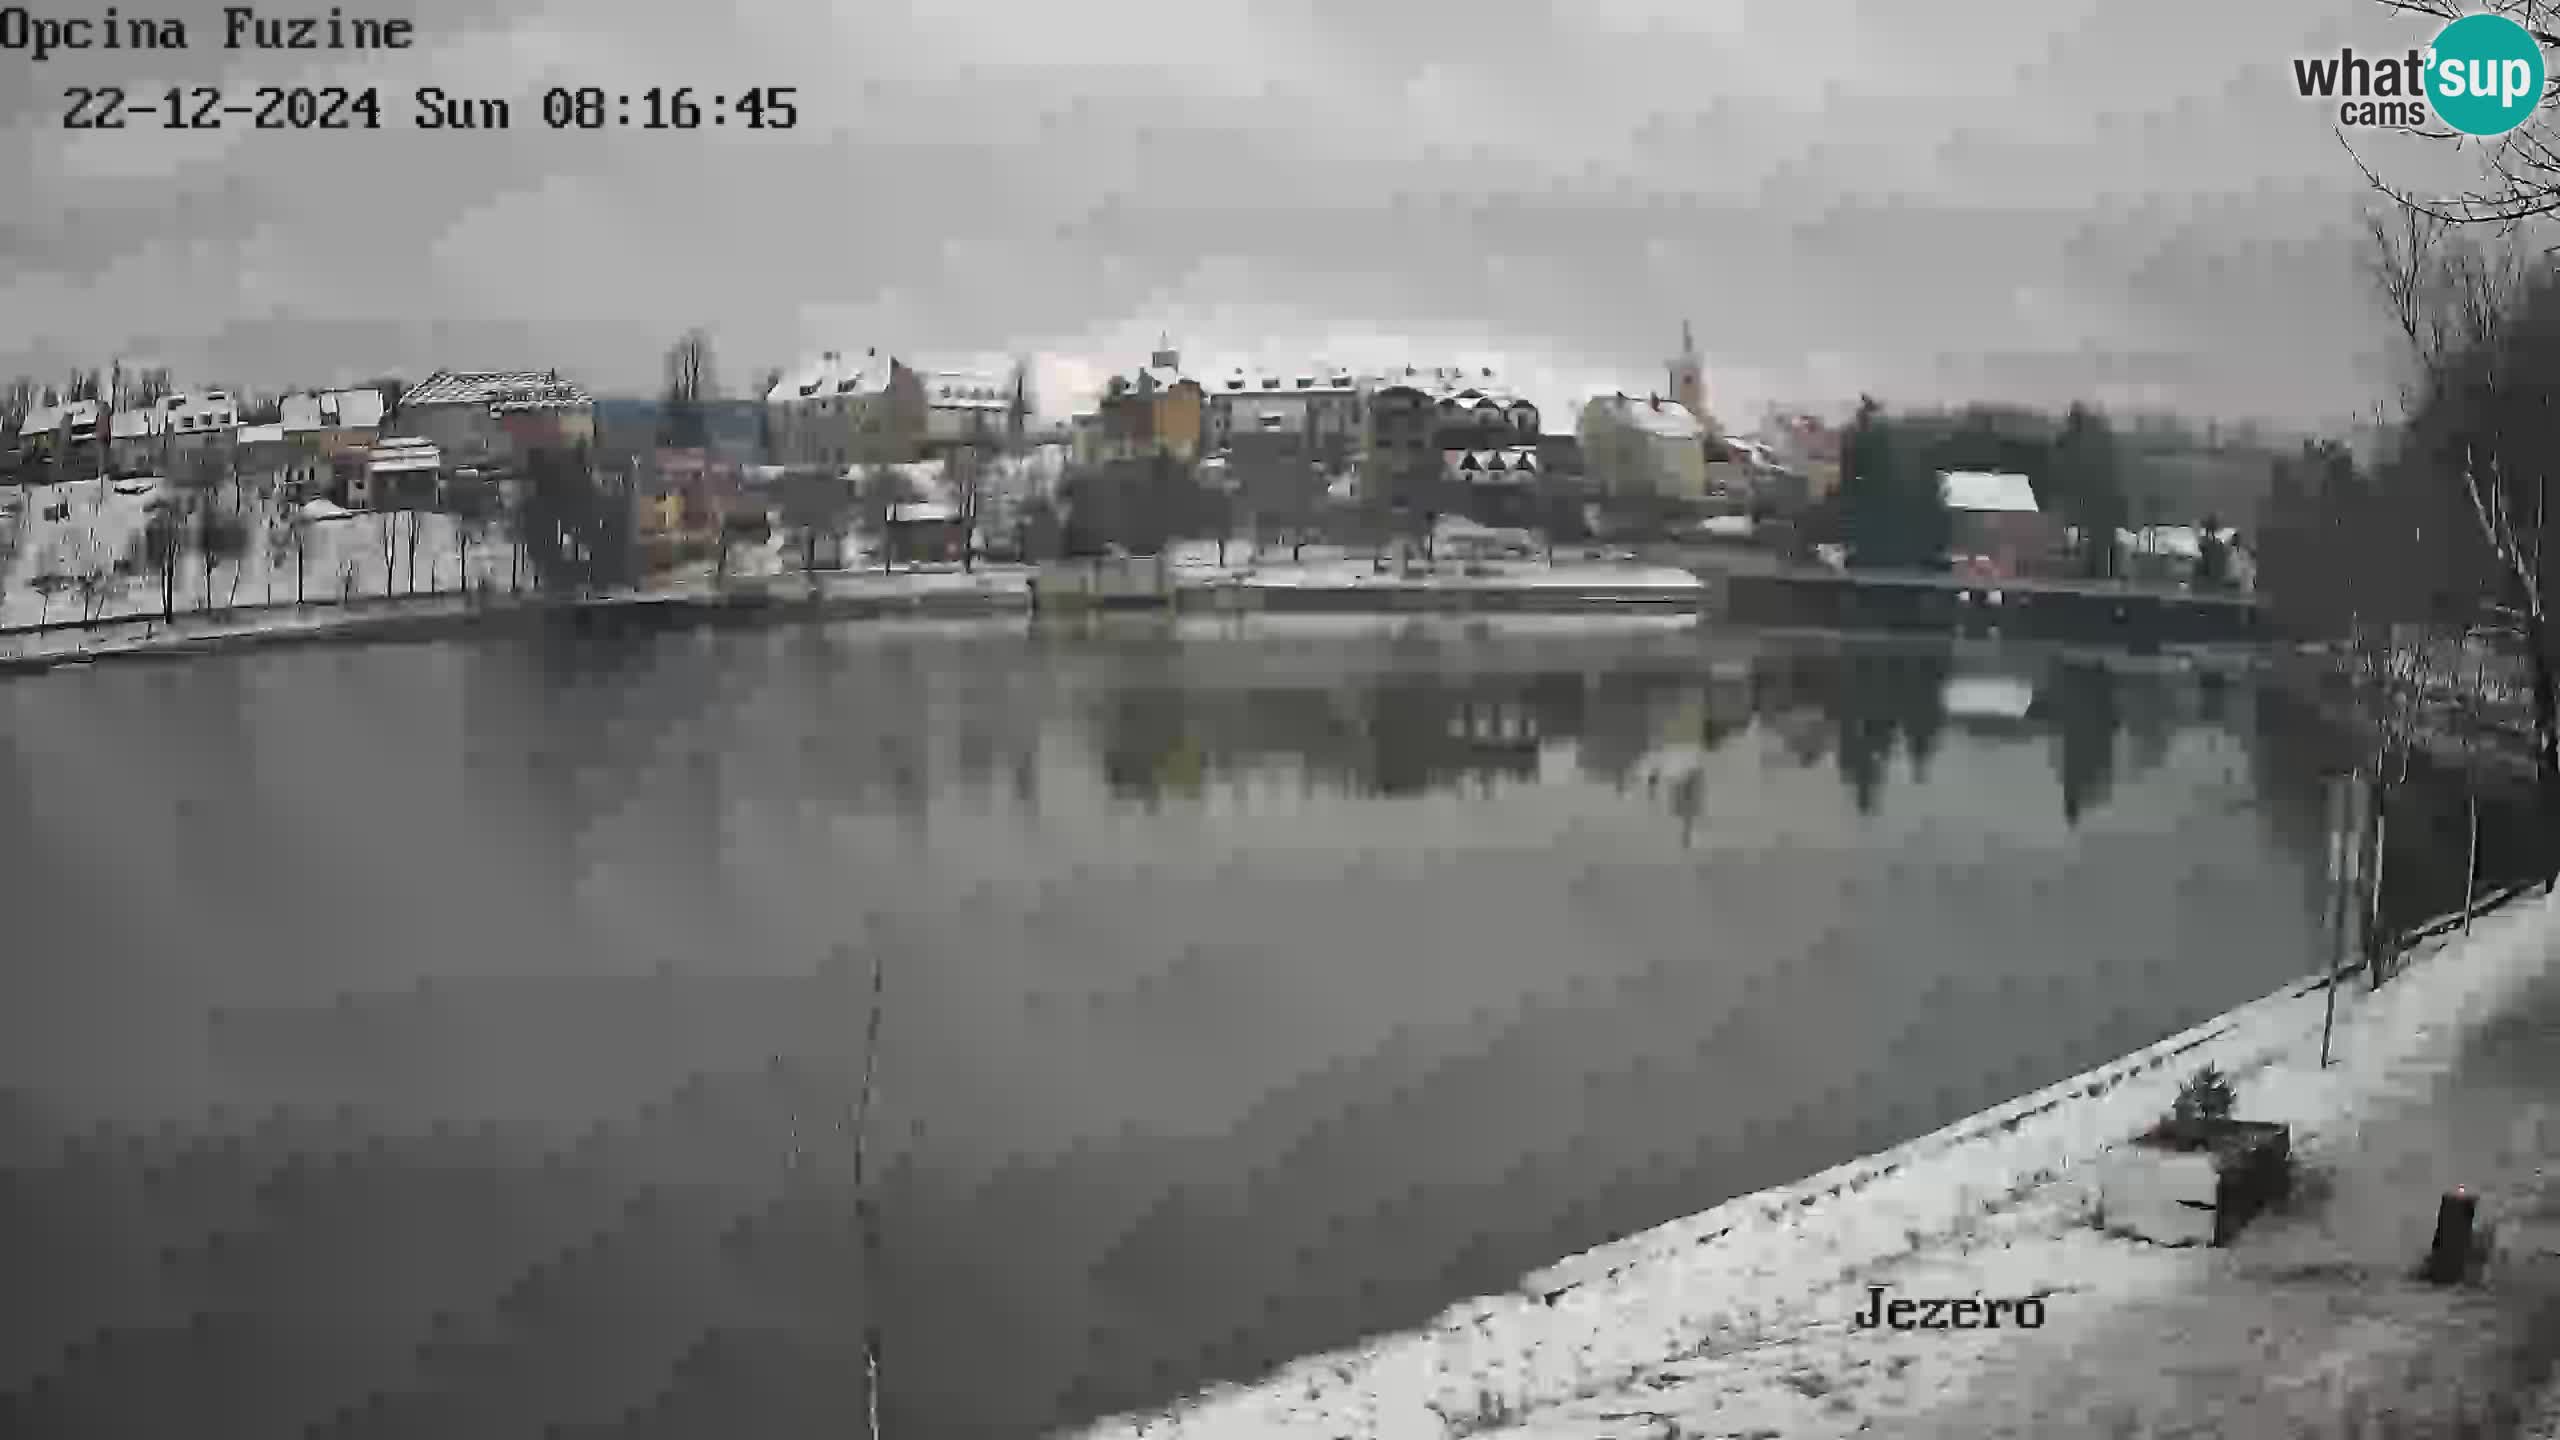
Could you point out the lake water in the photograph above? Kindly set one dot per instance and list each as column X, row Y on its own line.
column 456, row 1039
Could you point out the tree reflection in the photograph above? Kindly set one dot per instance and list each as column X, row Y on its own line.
column 2087, row 716
column 1878, row 699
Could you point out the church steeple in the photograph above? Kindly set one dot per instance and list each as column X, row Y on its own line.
column 1689, row 375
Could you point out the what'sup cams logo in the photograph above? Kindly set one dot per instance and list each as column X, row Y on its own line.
column 2482, row 75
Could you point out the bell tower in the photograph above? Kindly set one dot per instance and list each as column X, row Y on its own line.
column 1688, row 375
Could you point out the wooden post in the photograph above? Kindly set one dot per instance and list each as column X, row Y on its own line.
column 2449, row 1256
column 2377, row 818
column 2471, row 796
column 2333, row 919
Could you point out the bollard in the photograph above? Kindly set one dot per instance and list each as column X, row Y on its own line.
column 2449, row 1258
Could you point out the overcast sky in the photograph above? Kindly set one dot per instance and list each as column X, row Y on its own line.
column 2026, row 199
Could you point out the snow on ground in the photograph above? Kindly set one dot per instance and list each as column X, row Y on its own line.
column 1359, row 575
column 1736, row 1319
column 1332, row 567
column 340, row 558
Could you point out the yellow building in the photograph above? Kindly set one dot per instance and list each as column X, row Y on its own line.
column 1158, row 410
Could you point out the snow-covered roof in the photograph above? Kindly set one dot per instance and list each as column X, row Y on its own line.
column 1985, row 491
column 324, row 510
column 966, row 390
column 836, row 372
column 924, row 512
column 196, row 409
column 1664, row 419
column 44, row 419
column 138, row 424
column 333, row 410
column 261, row 434
column 1308, row 380
column 510, row 389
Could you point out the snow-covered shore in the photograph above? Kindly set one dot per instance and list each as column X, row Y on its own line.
column 1737, row 1320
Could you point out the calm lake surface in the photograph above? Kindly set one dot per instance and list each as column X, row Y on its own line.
column 463, row 1038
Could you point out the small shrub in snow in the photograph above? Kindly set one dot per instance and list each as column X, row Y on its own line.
column 2205, row 1096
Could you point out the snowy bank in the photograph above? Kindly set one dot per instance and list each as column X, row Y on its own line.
column 1509, row 575
column 1742, row 1313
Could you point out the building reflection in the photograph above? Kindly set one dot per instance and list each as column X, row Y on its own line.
column 1418, row 726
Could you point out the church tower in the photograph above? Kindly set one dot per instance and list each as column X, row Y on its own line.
column 1689, row 376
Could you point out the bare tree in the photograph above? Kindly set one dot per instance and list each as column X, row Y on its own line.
column 1019, row 408
column 17, row 401
column 883, row 491
column 472, row 501
column 142, row 388
column 95, row 575
column 2519, row 172
column 685, row 422
column 965, row 471
column 2483, row 331
column 386, row 524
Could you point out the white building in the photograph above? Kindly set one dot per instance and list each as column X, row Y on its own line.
column 402, row 470
column 1651, row 446
column 965, row 407
column 844, row 408
column 1324, row 404
column 333, row 410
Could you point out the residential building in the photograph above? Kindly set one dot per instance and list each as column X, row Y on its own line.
column 1450, row 439
column 1085, row 438
column 965, row 407
column 64, row 433
column 844, row 409
column 1323, row 405
column 1804, row 445
column 925, row 532
column 684, row 497
column 1996, row 528
column 495, row 417
column 1157, row 410
column 327, row 422
column 138, row 441
column 1650, row 448
column 265, row 460
column 197, row 424
column 400, row 473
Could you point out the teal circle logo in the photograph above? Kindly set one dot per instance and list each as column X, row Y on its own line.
column 2484, row 74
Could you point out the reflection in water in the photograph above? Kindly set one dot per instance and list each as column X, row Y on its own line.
column 459, row 1039
column 1403, row 732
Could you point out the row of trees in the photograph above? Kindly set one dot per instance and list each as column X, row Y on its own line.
column 1890, row 510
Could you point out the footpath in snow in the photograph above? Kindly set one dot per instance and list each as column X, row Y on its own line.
column 1737, row 1321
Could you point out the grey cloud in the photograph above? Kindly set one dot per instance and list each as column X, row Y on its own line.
column 1868, row 180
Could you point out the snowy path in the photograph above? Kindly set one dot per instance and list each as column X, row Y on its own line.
column 1736, row 1322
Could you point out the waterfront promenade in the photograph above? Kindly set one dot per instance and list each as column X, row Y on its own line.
column 1738, row 1321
